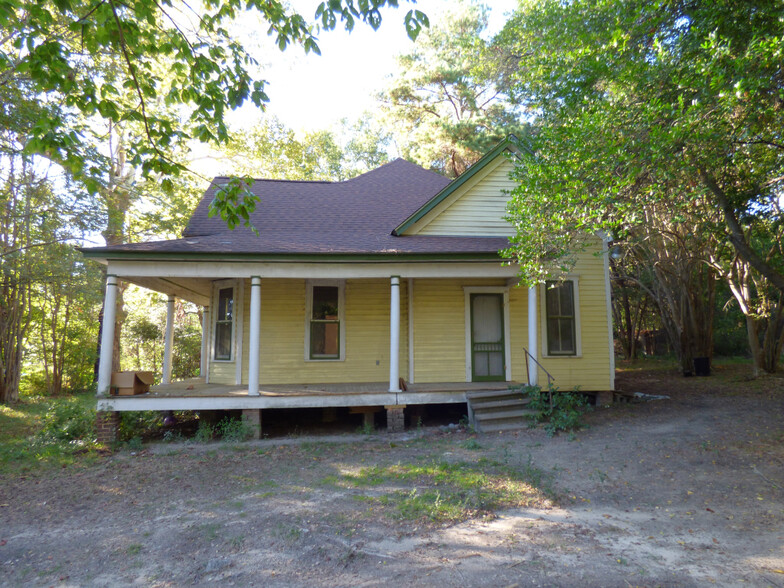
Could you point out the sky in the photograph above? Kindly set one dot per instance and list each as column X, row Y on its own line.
column 309, row 92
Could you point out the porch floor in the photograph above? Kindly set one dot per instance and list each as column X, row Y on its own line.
column 195, row 394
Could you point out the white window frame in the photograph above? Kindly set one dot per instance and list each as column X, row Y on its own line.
column 217, row 287
column 341, row 285
column 504, row 290
column 543, row 319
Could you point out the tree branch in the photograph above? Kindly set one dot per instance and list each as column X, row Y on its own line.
column 736, row 236
column 132, row 70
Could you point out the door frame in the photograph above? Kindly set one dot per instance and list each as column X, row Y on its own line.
column 504, row 290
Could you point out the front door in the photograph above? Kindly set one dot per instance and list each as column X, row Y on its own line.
column 487, row 337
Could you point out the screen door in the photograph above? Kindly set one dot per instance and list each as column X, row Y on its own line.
column 487, row 337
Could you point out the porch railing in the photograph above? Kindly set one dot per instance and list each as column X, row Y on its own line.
column 550, row 378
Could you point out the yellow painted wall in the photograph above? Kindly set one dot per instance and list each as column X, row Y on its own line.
column 365, row 328
column 439, row 333
column 223, row 372
column 478, row 207
column 439, row 329
column 592, row 370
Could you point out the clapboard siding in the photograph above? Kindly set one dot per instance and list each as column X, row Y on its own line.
column 365, row 328
column 439, row 333
column 591, row 371
column 477, row 208
column 439, row 329
column 223, row 372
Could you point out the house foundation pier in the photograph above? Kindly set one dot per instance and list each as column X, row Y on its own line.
column 396, row 422
column 252, row 418
column 107, row 426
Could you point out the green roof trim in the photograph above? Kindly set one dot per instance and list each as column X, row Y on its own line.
column 511, row 143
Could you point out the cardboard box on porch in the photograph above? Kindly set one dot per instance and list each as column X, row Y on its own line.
column 130, row 383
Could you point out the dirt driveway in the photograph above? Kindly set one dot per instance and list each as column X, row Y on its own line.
column 685, row 491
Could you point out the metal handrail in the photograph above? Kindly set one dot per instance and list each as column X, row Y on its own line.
column 550, row 378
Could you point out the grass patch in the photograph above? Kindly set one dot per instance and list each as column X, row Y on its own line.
column 441, row 492
column 39, row 431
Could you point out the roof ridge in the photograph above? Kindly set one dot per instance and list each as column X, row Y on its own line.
column 280, row 180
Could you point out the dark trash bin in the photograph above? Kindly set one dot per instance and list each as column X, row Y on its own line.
column 702, row 366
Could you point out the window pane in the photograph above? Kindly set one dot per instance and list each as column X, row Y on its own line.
column 561, row 337
column 225, row 304
column 223, row 340
column 567, row 299
column 324, row 339
column 551, row 295
column 325, row 303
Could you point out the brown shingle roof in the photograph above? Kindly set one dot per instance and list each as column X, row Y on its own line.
column 352, row 217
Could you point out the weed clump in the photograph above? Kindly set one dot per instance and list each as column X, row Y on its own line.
column 68, row 421
column 557, row 410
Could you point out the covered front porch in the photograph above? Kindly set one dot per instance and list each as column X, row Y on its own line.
column 398, row 340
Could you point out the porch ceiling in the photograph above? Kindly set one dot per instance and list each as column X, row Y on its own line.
column 196, row 290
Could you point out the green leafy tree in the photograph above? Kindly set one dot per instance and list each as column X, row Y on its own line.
column 56, row 49
column 446, row 106
column 673, row 104
column 271, row 150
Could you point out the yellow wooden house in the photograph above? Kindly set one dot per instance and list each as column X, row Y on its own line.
column 385, row 291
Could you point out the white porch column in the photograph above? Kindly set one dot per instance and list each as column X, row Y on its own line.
column 533, row 316
column 394, row 336
column 411, row 330
column 205, row 342
column 107, row 336
column 254, row 335
column 168, row 341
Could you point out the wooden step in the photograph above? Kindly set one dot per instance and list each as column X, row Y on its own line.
column 502, row 403
column 498, row 410
column 478, row 394
column 503, row 414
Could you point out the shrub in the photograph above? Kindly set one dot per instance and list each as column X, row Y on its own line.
column 204, row 433
column 143, row 424
column 68, row 420
column 232, row 430
column 563, row 414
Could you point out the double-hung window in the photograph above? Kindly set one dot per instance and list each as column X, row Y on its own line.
column 224, row 324
column 324, row 337
column 561, row 317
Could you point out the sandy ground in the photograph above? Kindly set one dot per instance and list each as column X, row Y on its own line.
column 684, row 491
